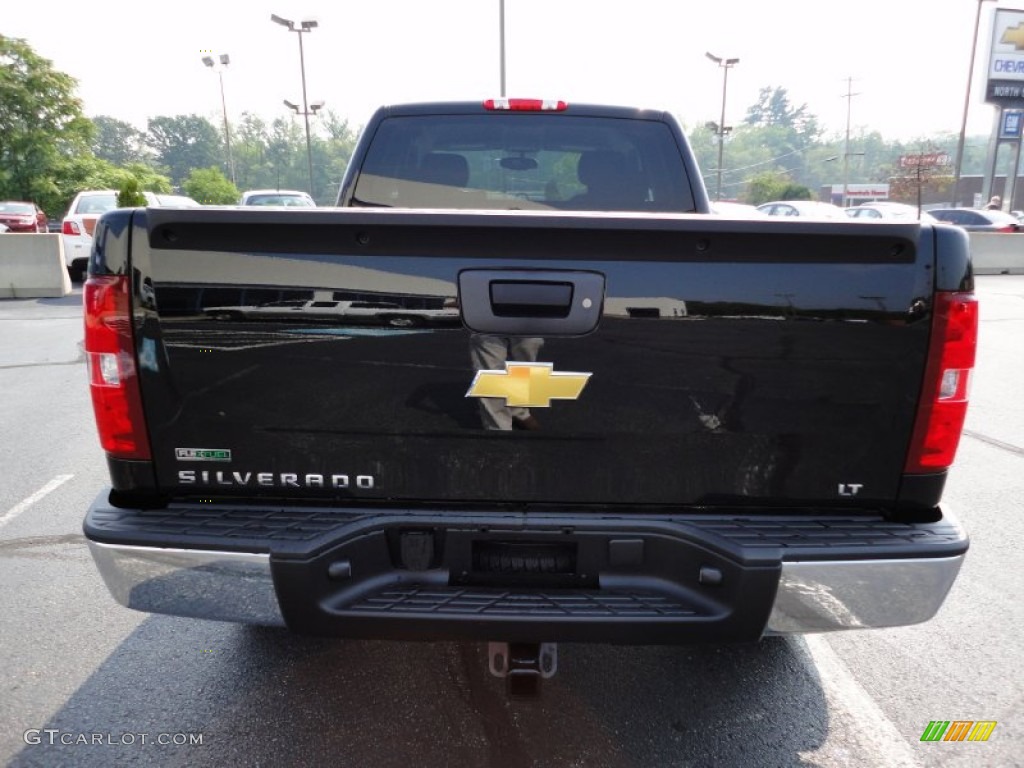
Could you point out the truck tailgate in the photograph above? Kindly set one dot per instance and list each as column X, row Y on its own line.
column 732, row 362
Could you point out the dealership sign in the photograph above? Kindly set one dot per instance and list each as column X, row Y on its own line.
column 1005, row 82
column 926, row 160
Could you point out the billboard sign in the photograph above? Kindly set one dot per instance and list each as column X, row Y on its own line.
column 925, row 160
column 1005, row 81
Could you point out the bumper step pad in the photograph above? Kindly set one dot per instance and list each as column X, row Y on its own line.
column 501, row 602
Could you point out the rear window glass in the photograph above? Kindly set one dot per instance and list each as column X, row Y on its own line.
column 17, row 208
column 290, row 200
column 524, row 161
column 97, row 203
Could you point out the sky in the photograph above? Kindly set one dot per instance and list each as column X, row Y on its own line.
column 908, row 59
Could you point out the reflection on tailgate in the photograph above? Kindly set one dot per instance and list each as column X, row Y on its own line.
column 89, row 222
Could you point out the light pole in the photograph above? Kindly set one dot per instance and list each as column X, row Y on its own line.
column 967, row 105
column 299, row 28
column 725, row 64
column 224, row 61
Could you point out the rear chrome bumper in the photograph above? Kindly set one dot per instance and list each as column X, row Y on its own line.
column 849, row 594
column 225, row 586
column 812, row 595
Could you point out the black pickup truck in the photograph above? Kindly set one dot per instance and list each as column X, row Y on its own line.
column 645, row 424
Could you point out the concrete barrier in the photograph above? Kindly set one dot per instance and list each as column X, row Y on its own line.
column 32, row 266
column 996, row 253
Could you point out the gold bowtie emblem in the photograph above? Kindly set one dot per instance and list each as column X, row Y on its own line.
column 529, row 385
column 1014, row 36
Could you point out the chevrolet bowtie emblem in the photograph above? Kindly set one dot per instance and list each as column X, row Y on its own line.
column 530, row 385
column 1014, row 36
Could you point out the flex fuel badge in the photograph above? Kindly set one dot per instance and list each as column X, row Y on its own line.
column 202, row 454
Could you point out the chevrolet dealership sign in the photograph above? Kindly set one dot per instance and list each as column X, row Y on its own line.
column 1006, row 60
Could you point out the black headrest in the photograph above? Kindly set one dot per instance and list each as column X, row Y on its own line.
column 444, row 168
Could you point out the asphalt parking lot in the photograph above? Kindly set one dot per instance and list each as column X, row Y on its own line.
column 86, row 682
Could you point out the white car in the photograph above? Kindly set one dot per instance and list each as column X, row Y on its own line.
column 86, row 209
column 805, row 209
column 889, row 211
column 731, row 210
column 291, row 198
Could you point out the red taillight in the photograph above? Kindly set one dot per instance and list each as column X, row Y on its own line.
column 70, row 228
column 943, row 404
column 526, row 105
column 110, row 358
column 1007, row 228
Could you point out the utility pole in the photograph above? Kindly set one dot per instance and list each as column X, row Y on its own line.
column 967, row 105
column 846, row 146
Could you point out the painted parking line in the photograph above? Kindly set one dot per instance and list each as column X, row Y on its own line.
column 24, row 504
column 877, row 737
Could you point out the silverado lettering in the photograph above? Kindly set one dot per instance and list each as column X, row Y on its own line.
column 271, row 479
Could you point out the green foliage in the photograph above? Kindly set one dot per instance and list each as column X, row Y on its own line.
column 773, row 108
column 796, row 192
column 767, row 186
column 118, row 142
column 211, row 187
column 41, row 122
column 274, row 156
column 182, row 143
column 130, row 194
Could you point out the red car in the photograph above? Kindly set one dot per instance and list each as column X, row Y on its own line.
column 22, row 217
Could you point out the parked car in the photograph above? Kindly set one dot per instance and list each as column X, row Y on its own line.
column 86, row 208
column 883, row 210
column 170, row 201
column 19, row 216
column 733, row 210
column 975, row 220
column 806, row 209
column 289, row 197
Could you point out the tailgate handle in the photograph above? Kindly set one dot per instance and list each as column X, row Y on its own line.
column 534, row 298
column 517, row 302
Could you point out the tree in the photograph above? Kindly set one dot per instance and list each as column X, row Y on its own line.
column 183, row 143
column 130, row 194
column 771, row 185
column 41, row 122
column 117, row 141
column 773, row 108
column 211, row 187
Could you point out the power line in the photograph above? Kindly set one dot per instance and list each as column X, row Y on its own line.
column 764, row 162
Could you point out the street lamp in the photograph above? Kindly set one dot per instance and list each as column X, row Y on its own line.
column 725, row 64
column 967, row 104
column 299, row 28
column 224, row 61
